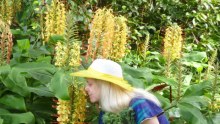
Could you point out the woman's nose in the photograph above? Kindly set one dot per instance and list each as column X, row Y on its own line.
column 86, row 88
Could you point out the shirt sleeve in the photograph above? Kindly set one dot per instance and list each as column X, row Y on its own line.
column 101, row 117
column 144, row 109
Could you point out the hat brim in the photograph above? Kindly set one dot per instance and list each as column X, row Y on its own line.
column 90, row 73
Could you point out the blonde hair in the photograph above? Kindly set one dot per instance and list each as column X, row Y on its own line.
column 114, row 98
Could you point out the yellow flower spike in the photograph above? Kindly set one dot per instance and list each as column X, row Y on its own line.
column 55, row 20
column 173, row 43
column 61, row 54
column 6, row 43
column 108, row 34
column 120, row 39
column 8, row 9
column 74, row 55
column 79, row 103
column 63, row 111
column 101, row 34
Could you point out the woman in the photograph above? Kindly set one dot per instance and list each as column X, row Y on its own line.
column 105, row 85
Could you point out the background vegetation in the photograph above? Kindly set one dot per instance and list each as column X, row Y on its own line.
column 31, row 84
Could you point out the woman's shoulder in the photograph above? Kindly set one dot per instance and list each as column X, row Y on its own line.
column 146, row 109
column 139, row 100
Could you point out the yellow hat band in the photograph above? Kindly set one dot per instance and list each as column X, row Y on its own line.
column 92, row 73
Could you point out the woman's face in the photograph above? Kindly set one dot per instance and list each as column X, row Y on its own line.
column 93, row 90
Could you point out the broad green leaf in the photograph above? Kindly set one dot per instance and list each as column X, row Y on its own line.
column 45, row 59
column 23, row 44
column 196, row 101
column 4, row 111
column 41, row 75
column 191, row 114
column 41, row 91
column 187, row 79
column 39, row 71
column 139, row 73
column 165, row 102
column 13, row 101
column 18, row 118
column 137, row 77
column 194, row 56
column 198, row 66
column 133, row 81
column 32, row 66
column 197, row 89
column 16, row 32
column 16, row 83
column 168, row 81
column 4, row 70
column 59, row 85
column 218, row 17
column 42, row 108
column 55, row 38
column 1, row 121
column 216, row 118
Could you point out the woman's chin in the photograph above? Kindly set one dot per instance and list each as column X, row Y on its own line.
column 92, row 100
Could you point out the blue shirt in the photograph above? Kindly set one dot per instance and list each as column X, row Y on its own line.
column 143, row 109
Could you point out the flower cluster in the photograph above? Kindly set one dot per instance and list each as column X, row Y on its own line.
column 108, row 36
column 6, row 43
column 55, row 19
column 101, row 34
column 63, row 110
column 8, row 8
column 120, row 39
column 74, row 55
column 173, row 43
column 61, row 54
column 79, row 103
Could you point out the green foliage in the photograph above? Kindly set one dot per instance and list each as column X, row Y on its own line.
column 23, row 87
column 59, row 85
column 124, row 117
column 30, row 81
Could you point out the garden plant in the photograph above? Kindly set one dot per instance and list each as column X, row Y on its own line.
column 168, row 47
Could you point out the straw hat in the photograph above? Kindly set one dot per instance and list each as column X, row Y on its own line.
column 106, row 70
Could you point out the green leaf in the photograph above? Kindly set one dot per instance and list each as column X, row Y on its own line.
column 16, row 32
column 42, row 72
column 143, row 73
column 218, row 17
column 187, row 79
column 194, row 56
column 165, row 102
column 196, row 101
column 23, row 44
column 4, row 70
column 13, row 101
column 216, row 118
column 16, row 82
column 1, row 121
column 133, row 81
column 20, row 118
column 197, row 89
column 55, row 38
column 168, row 81
column 198, row 66
column 41, row 91
column 45, row 59
column 59, row 85
column 137, row 76
column 41, row 107
column 191, row 114
column 4, row 111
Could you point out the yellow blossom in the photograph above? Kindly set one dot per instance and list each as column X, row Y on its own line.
column 173, row 42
